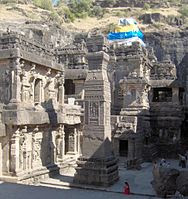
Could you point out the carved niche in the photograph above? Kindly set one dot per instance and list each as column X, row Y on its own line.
column 94, row 112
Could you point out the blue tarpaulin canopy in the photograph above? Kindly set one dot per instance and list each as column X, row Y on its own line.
column 126, row 32
column 125, row 35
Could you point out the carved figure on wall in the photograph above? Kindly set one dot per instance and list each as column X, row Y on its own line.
column 22, row 151
column 25, row 91
column 58, row 143
column 37, row 141
column 94, row 109
column 16, row 80
column 36, row 151
column 71, row 142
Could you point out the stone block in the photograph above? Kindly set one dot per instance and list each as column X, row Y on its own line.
column 164, row 181
column 182, row 183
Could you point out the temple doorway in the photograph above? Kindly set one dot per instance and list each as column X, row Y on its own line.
column 123, row 148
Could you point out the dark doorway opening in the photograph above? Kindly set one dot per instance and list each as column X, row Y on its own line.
column 37, row 91
column 162, row 94
column 184, row 134
column 69, row 87
column 123, row 148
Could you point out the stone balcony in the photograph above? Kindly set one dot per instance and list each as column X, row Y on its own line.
column 72, row 114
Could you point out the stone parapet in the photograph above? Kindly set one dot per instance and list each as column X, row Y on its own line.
column 14, row 45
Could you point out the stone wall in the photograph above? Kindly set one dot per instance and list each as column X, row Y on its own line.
column 35, row 140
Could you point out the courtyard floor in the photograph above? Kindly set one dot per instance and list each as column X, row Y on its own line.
column 62, row 186
column 18, row 191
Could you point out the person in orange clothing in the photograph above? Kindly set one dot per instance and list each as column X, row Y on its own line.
column 126, row 190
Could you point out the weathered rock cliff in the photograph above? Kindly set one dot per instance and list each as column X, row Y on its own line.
column 169, row 45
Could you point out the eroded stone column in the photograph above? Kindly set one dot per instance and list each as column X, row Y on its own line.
column 79, row 135
column 61, row 89
column 63, row 143
column 175, row 95
column 1, row 159
column 15, row 150
column 75, row 140
column 15, row 81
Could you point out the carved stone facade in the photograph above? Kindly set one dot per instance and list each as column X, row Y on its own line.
column 148, row 104
column 91, row 101
column 34, row 117
column 98, row 164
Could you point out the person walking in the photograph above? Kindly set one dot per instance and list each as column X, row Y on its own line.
column 126, row 190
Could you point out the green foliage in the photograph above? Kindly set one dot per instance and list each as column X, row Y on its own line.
column 97, row 11
column 55, row 17
column 80, row 8
column 44, row 4
column 146, row 6
column 64, row 11
column 184, row 11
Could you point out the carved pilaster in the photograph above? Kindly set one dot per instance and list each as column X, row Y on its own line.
column 62, row 136
column 31, row 81
column 15, row 81
column 79, row 142
column 15, row 152
column 37, row 140
column 61, row 89
column 1, row 159
column 75, row 140
column 60, row 143
column 63, row 142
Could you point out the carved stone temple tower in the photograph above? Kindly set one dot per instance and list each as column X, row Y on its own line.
column 97, row 165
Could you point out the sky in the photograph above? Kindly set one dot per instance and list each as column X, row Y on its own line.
column 55, row 2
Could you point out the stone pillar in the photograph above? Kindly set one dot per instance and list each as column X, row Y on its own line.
column 61, row 89
column 15, row 81
column 175, row 95
column 15, row 152
column 131, row 149
column 42, row 92
column 75, row 140
column 79, row 135
column 1, row 159
column 97, row 165
column 61, row 94
column 63, row 143
column 116, row 146
column 29, row 149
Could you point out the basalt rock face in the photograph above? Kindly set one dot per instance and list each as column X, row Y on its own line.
column 135, row 3
column 164, row 182
column 151, row 18
column 169, row 45
column 182, row 183
column 49, row 34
